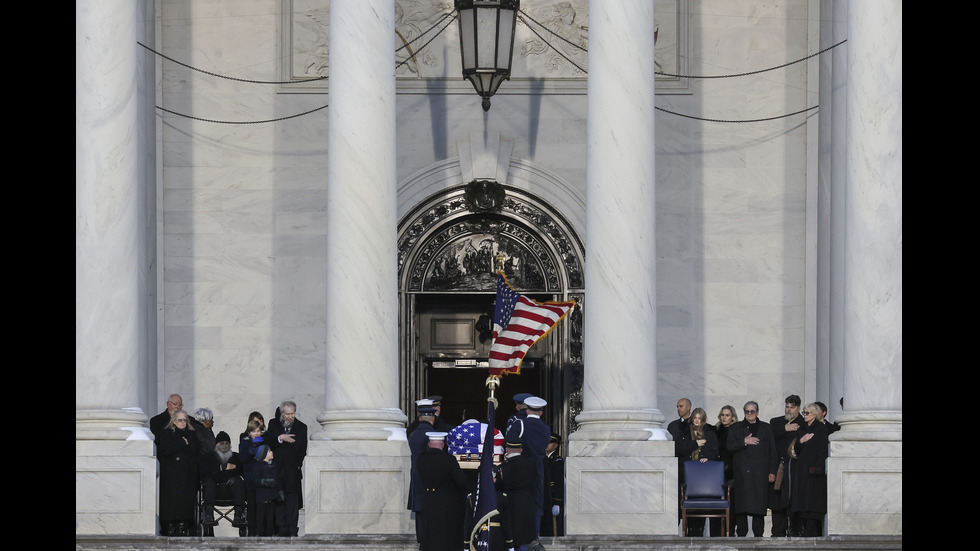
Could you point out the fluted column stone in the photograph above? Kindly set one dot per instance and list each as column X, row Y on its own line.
column 361, row 446
column 115, row 468
column 865, row 468
column 620, row 449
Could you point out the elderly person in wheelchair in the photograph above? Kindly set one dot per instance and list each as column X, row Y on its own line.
column 222, row 478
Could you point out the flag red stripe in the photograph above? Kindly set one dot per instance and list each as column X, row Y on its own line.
column 510, row 341
column 533, row 317
column 558, row 309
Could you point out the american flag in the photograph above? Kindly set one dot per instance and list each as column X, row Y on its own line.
column 518, row 323
column 485, row 505
column 468, row 438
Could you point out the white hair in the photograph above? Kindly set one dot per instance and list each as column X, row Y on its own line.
column 203, row 415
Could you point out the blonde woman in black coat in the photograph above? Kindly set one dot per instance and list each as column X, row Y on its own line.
column 726, row 418
column 808, row 474
column 178, row 455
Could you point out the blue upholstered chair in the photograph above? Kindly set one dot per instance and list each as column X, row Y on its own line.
column 704, row 493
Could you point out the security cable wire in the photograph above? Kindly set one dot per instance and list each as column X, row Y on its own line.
column 521, row 17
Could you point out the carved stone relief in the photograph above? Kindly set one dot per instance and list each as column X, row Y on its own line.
column 574, row 368
column 470, row 263
column 455, row 244
column 551, row 42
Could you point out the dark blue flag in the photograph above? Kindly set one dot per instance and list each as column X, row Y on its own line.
column 485, row 505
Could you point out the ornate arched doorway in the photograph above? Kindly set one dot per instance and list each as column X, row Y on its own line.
column 449, row 248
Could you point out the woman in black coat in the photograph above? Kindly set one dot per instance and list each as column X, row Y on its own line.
column 808, row 474
column 704, row 447
column 704, row 436
column 178, row 455
column 726, row 418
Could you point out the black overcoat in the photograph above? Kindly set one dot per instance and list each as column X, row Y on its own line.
column 178, row 474
column 534, row 434
column 289, row 456
column 554, row 494
column 726, row 456
column 808, row 480
column 417, row 444
column 515, row 486
column 159, row 422
column 779, row 499
column 209, row 465
column 752, row 466
column 205, row 437
column 444, row 501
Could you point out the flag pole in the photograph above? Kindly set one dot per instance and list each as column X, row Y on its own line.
column 493, row 381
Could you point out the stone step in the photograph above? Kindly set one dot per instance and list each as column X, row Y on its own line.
column 407, row 543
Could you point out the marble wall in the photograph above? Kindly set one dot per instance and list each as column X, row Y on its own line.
column 243, row 208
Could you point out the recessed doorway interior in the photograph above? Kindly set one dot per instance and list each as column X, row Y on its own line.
column 453, row 349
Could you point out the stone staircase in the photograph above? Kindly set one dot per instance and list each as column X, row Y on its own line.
column 407, row 543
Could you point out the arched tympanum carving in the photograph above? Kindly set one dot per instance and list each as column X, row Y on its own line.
column 446, row 245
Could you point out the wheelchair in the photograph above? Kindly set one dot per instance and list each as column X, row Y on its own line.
column 223, row 509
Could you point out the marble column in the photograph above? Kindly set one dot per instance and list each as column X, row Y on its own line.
column 621, row 473
column 357, row 468
column 115, row 468
column 865, row 469
column 830, row 198
column 838, row 95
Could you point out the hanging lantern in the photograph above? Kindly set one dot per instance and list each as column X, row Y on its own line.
column 486, row 39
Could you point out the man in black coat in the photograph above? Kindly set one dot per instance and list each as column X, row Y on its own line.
column 521, row 410
column 822, row 417
column 534, row 434
column 682, row 423
column 417, row 443
column 157, row 424
column 221, row 472
column 444, row 500
column 287, row 436
column 515, row 481
column 754, row 462
column 680, row 432
column 439, row 424
column 161, row 420
column 553, row 521
column 784, row 429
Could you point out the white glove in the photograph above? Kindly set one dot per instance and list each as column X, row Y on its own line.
column 554, row 510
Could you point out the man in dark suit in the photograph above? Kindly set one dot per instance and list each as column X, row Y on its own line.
column 287, row 436
column 417, row 443
column 677, row 426
column 784, row 430
column 439, row 424
column 680, row 431
column 521, row 412
column 515, row 481
column 161, row 420
column 754, row 462
column 445, row 486
column 553, row 522
column 534, row 434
